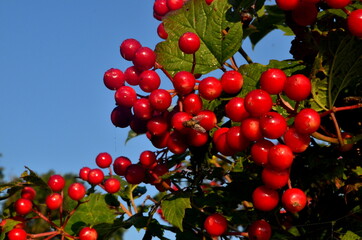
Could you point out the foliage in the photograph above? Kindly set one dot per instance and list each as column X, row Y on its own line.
column 203, row 179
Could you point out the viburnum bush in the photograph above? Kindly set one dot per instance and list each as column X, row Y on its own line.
column 240, row 151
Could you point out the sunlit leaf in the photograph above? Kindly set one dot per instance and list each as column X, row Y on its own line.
column 218, row 27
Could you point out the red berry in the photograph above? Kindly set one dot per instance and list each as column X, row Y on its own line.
column 287, row 5
column 112, row 185
column 113, row 79
column 128, row 48
column 221, row 143
column 174, row 4
column 250, row 128
column 294, row 200
column 139, row 126
column 273, row 80
column 184, row 82
column 132, row 76
column 135, row 174
column 83, row 173
column 210, row 88
column 56, row 183
column 149, row 81
column 260, row 150
column 232, row 82
column 305, row 14
column 125, row 96
column 161, row 31
column 28, row 193
column 88, row 233
column 307, row 121
column 280, row 157
column 157, row 125
column 148, row 159
column 142, row 109
column 258, row 102
column 54, row 201
column 215, row 224
column 120, row 165
column 337, row 3
column 160, row 141
column 144, row 58
column 160, row 7
column 298, row 142
column 196, row 138
column 189, row 42
column 236, row 140
column 23, row 206
column 178, row 120
column 297, row 87
column 272, row 125
column 260, row 230
column 17, row 234
column 207, row 119
column 76, row 191
column 208, row 2
column 95, row 176
column 121, row 116
column 192, row 103
column 104, row 160
column 354, row 23
column 265, row 199
column 275, row 179
column 235, row 109
column 160, row 99
column 176, row 143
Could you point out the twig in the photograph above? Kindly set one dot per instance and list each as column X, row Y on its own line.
column 245, row 55
column 338, row 130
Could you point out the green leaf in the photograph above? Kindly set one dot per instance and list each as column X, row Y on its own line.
column 131, row 134
column 174, row 208
column 9, row 225
column 272, row 18
column 350, row 236
column 346, row 67
column 32, row 178
column 93, row 211
column 210, row 24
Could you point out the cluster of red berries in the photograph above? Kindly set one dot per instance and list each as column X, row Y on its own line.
column 304, row 12
column 162, row 7
column 54, row 201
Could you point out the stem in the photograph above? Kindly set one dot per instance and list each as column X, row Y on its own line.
column 157, row 65
column 322, row 137
column 284, row 104
column 131, row 198
column 221, row 157
column 245, row 55
column 125, row 210
column 38, row 235
column 337, row 109
column 46, row 219
column 244, row 234
column 233, row 63
column 71, row 213
column 193, row 63
column 338, row 130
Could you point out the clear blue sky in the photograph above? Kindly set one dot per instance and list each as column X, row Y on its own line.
column 54, row 108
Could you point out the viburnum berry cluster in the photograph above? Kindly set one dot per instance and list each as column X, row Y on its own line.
column 240, row 150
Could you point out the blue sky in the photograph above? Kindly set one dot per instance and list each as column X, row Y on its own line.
column 54, row 108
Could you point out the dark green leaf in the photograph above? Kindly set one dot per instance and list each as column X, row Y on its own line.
column 271, row 18
column 94, row 211
column 174, row 208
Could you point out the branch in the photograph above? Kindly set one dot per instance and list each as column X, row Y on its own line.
column 245, row 55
